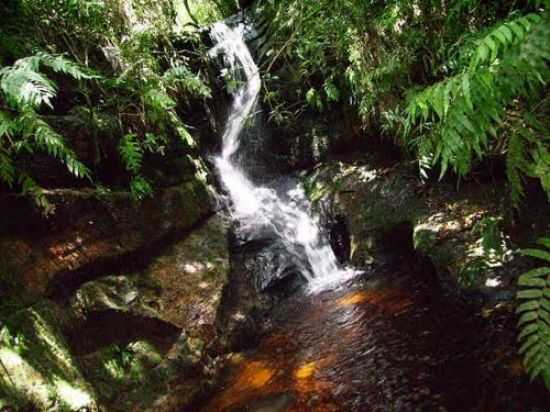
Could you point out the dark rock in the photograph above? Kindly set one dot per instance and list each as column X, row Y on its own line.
column 467, row 235
column 90, row 229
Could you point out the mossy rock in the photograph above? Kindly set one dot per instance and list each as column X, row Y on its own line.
column 37, row 366
column 125, row 375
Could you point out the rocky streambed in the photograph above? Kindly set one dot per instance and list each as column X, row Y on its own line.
column 156, row 306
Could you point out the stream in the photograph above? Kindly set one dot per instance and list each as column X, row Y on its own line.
column 374, row 345
column 387, row 340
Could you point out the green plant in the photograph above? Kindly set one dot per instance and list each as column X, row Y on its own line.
column 473, row 113
column 131, row 152
column 24, row 89
column 534, row 311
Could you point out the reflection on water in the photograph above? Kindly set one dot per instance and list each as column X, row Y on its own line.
column 396, row 346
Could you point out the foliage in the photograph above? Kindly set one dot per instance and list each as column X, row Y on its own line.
column 129, row 79
column 453, row 82
column 490, row 251
column 204, row 12
column 464, row 116
column 534, row 311
column 23, row 90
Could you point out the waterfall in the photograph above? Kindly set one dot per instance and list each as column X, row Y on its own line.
column 285, row 213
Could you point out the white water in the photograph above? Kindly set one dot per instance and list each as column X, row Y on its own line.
column 258, row 207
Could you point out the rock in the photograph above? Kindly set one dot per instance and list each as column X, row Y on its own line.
column 125, row 342
column 37, row 366
column 190, row 276
column 151, row 379
column 371, row 201
column 120, row 293
column 250, row 295
column 302, row 144
column 466, row 235
column 158, row 325
column 90, row 230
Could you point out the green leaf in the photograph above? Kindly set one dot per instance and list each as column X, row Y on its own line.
column 466, row 91
column 527, row 317
column 532, row 281
column 529, row 294
column 528, row 330
column 534, row 273
column 536, row 253
column 528, row 306
column 518, row 30
column 530, row 342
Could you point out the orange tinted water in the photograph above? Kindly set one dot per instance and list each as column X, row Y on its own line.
column 374, row 346
column 325, row 354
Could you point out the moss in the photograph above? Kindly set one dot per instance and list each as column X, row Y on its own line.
column 38, row 368
column 130, row 369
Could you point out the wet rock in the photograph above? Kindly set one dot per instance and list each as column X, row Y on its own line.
column 119, row 293
column 371, row 202
column 190, row 276
column 304, row 143
column 262, row 273
column 125, row 342
column 141, row 376
column 466, row 235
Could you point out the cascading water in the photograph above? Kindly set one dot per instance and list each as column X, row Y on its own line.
column 285, row 213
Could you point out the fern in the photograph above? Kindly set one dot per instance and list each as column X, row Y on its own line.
column 181, row 76
column 534, row 311
column 140, row 188
column 23, row 84
column 24, row 89
column 458, row 119
column 7, row 169
column 502, row 39
column 131, row 153
column 49, row 140
column 31, row 188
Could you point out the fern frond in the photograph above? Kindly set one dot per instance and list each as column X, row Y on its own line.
column 22, row 85
column 7, row 124
column 181, row 76
column 181, row 130
column 52, row 142
column 461, row 115
column 140, row 188
column 61, row 64
column 7, row 168
column 31, row 188
column 534, row 311
column 501, row 39
column 131, row 153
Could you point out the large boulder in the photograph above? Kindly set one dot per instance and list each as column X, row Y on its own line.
column 145, row 338
column 123, row 341
column 89, row 230
column 38, row 370
column 467, row 234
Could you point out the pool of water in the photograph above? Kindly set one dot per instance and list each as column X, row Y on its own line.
column 389, row 343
